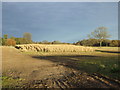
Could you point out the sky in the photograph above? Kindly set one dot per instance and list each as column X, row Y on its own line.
column 63, row 21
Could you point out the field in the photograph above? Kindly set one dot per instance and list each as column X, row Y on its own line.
column 61, row 66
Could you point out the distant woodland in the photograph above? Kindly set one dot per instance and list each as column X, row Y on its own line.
column 96, row 38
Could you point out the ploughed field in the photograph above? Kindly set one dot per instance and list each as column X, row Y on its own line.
column 60, row 66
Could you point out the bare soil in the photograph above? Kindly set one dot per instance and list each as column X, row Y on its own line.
column 41, row 73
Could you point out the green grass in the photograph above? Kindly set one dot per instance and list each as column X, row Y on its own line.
column 9, row 82
column 108, row 66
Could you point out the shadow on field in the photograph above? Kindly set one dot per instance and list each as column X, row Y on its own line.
column 107, row 51
column 86, row 63
column 68, row 61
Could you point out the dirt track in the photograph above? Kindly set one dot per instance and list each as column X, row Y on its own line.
column 45, row 74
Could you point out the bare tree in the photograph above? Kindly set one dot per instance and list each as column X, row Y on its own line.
column 100, row 33
column 27, row 36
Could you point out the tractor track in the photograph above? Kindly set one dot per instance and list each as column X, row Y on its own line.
column 106, row 80
column 74, row 80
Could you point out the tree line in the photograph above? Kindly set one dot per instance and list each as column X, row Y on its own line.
column 26, row 39
column 12, row 41
column 99, row 37
column 53, row 42
column 96, row 42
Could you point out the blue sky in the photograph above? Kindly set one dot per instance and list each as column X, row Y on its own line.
column 63, row 21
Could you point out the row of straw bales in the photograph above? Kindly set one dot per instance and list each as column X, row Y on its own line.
column 53, row 48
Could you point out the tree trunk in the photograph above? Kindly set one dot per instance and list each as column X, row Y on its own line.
column 100, row 43
column 106, row 44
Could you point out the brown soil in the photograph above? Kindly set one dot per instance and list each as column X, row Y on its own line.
column 41, row 73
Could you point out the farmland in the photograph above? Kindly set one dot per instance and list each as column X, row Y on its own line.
column 96, row 67
column 59, row 44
